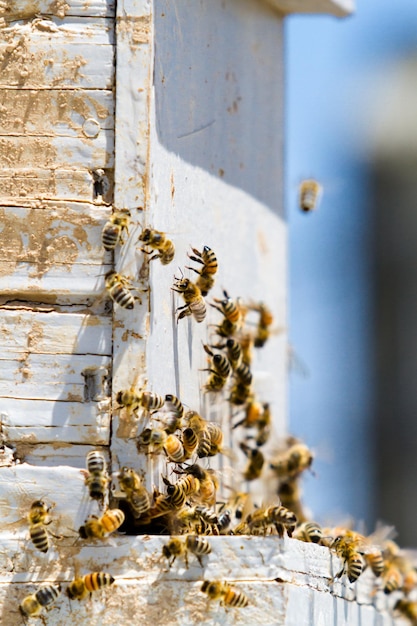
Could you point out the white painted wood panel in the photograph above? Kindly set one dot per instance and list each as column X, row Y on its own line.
column 340, row 8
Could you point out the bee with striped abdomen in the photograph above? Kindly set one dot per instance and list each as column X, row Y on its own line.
column 97, row 479
column 134, row 400
column 293, row 461
column 100, row 527
column 256, row 460
column 276, row 515
column 32, row 605
column 161, row 247
column 173, row 413
column 38, row 520
column 208, row 259
column 309, row 195
column 119, row 289
column 346, row 547
column 194, row 302
column 115, row 228
column 185, row 487
column 311, row 532
column 219, row 369
column 174, row 449
column 137, row 496
column 84, row 586
column 217, row 590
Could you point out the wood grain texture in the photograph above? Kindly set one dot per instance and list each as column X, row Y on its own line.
column 340, row 8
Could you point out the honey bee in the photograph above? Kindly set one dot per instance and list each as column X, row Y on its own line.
column 407, row 608
column 293, row 461
column 290, row 495
column 97, row 479
column 219, row 371
column 275, row 515
column 200, row 427
column 391, row 578
column 99, row 527
column 209, row 484
column 194, row 301
column 217, row 590
column 173, row 416
column 161, row 506
column 159, row 242
column 346, row 547
column 178, row 492
column 231, row 309
column 255, row 463
column 199, row 546
column 198, row 519
column 84, row 586
column 216, row 438
column 153, row 439
column 137, row 399
column 119, row 288
column 174, row 449
column 399, row 571
column 309, row 196
column 38, row 519
column 257, row 416
column 114, row 229
column 33, row 604
column 240, row 393
column 266, row 319
column 189, row 441
column 233, row 350
column 208, row 259
column 174, row 548
column 137, row 496
column 309, row 532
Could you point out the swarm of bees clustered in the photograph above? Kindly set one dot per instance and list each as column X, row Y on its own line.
column 191, row 508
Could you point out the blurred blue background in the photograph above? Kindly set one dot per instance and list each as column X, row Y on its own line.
column 335, row 70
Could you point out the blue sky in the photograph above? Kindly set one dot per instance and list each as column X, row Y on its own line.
column 331, row 67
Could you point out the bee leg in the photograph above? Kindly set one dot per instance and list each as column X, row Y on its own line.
column 198, row 254
column 186, row 311
column 200, row 560
column 280, row 530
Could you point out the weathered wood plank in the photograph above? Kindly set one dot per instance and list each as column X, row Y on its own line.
column 58, row 152
column 77, row 113
column 58, row 454
column 80, row 54
column 17, row 413
column 26, row 185
column 23, row 331
column 47, row 377
column 24, row 9
column 52, row 234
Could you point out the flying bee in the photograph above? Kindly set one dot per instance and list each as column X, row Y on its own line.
column 407, row 608
column 33, row 604
column 309, row 532
column 227, row 328
column 138, row 399
column 158, row 242
column 114, row 229
column 290, row 495
column 99, row 527
column 257, row 416
column 292, row 462
column 217, row 590
column 391, row 578
column 137, row 495
column 178, row 492
column 220, row 368
column 276, row 515
column 97, row 479
column 266, row 319
column 194, row 302
column 309, row 195
column 208, row 259
column 38, row 519
column 84, row 586
column 255, row 463
column 119, row 289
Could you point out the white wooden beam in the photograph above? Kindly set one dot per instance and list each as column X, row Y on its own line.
column 340, row 8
